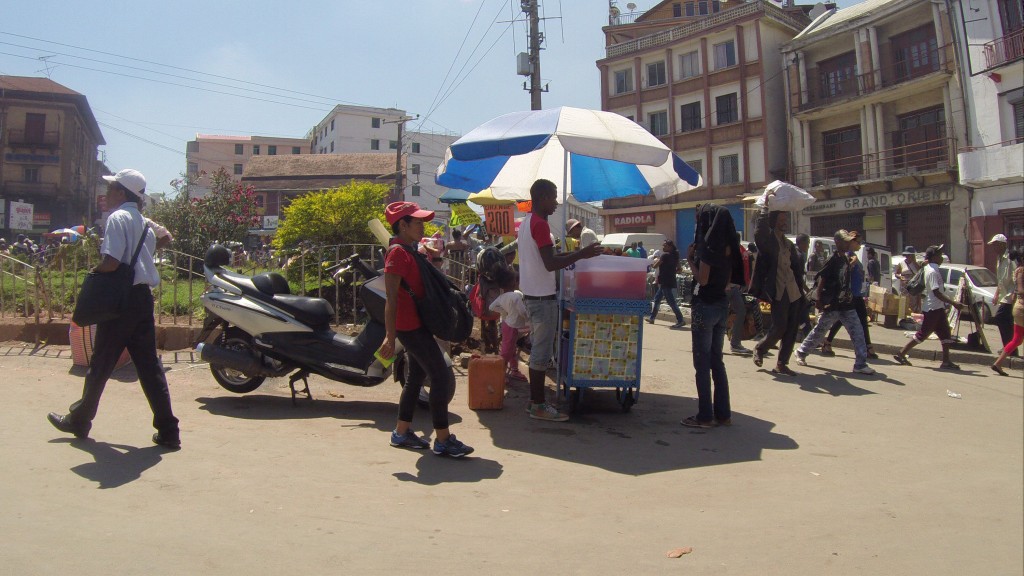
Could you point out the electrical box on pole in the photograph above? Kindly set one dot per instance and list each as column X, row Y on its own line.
column 523, row 67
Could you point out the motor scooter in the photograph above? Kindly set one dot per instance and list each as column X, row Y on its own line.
column 255, row 329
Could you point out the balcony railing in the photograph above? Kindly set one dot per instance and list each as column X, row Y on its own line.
column 823, row 91
column 1005, row 49
column 936, row 155
column 16, row 137
column 18, row 188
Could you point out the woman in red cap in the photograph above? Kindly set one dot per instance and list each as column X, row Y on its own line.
column 402, row 275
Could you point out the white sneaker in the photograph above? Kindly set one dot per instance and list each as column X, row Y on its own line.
column 801, row 359
column 547, row 412
column 864, row 370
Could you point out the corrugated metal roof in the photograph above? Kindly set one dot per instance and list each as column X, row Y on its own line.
column 829, row 22
column 314, row 165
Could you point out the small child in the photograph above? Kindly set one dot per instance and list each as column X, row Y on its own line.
column 515, row 322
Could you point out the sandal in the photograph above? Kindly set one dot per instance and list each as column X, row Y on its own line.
column 826, row 350
column 692, row 422
column 758, row 358
column 901, row 359
column 998, row 370
column 783, row 371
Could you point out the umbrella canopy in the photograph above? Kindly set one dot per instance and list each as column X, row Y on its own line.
column 594, row 155
column 454, row 196
column 486, row 198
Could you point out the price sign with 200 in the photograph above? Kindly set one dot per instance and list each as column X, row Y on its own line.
column 500, row 220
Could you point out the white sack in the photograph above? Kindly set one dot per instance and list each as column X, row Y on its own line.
column 788, row 198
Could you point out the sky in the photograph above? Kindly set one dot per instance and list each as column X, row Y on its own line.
column 158, row 73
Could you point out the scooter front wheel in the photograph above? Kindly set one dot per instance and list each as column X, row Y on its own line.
column 234, row 380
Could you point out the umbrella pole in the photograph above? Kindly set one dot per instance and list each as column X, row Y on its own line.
column 561, row 272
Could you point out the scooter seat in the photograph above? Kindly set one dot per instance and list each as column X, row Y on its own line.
column 271, row 283
column 314, row 312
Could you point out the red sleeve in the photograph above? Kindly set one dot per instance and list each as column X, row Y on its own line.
column 541, row 232
column 398, row 262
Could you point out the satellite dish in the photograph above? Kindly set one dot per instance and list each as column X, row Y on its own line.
column 631, row 6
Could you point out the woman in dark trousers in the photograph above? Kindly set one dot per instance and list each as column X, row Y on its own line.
column 778, row 278
column 401, row 274
column 667, row 265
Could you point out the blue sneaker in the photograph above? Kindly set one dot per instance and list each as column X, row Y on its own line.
column 451, row 447
column 408, row 440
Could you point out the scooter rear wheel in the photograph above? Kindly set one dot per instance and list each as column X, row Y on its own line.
column 230, row 379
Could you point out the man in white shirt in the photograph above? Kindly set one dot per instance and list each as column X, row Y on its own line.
column 934, row 307
column 1003, row 298
column 135, row 328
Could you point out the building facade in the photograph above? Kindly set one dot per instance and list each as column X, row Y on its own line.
column 209, row 153
column 991, row 161
column 876, row 116
column 364, row 129
column 706, row 78
column 49, row 170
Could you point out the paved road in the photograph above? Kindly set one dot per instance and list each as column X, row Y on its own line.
column 824, row 474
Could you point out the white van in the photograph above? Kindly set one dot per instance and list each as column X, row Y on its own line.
column 822, row 248
column 652, row 240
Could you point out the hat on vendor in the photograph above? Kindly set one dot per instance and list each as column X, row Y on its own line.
column 398, row 210
column 909, row 250
column 998, row 238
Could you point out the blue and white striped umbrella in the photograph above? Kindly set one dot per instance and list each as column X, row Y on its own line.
column 591, row 154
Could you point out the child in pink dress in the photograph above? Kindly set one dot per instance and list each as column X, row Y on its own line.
column 515, row 322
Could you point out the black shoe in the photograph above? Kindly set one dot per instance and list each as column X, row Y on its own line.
column 63, row 424
column 167, row 441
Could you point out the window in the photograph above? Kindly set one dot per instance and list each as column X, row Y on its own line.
column 238, row 149
column 374, row 144
column 31, row 174
column 656, row 73
column 1011, row 18
column 35, row 128
column 702, row 8
column 272, row 150
column 375, row 122
column 415, row 190
column 697, row 165
column 690, row 115
column 415, row 147
column 255, row 149
column 1018, row 119
column 332, row 124
column 726, row 109
column 393, row 144
column 415, row 168
column 623, row 81
column 296, row 150
column 689, row 65
column 193, row 169
column 238, row 169
column 921, row 140
column 716, row 6
column 838, row 76
column 842, row 154
column 915, row 53
column 658, row 122
column 332, row 145
column 725, row 55
column 691, row 9
column 729, row 169
column 677, row 10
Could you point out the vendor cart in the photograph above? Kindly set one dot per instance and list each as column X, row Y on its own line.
column 602, row 348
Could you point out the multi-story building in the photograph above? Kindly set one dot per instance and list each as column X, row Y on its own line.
column 876, row 115
column 991, row 160
column 209, row 153
column 49, row 139
column 705, row 77
column 362, row 129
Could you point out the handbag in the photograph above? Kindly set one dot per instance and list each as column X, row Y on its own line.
column 103, row 294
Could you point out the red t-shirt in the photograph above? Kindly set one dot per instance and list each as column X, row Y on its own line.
column 399, row 261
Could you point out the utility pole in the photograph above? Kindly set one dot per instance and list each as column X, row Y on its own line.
column 536, row 38
column 398, row 193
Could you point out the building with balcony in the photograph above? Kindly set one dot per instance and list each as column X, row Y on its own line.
column 49, row 142
column 991, row 160
column 707, row 79
column 875, row 117
column 209, row 153
column 365, row 129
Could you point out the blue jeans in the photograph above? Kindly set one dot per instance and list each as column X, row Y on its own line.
column 708, row 333
column 670, row 295
column 544, row 327
column 852, row 324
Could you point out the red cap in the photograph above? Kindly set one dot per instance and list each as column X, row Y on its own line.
column 398, row 210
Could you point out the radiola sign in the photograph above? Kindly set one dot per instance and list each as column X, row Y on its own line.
column 632, row 220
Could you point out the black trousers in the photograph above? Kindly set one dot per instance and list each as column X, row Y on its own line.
column 136, row 331
column 786, row 318
column 1003, row 319
column 425, row 358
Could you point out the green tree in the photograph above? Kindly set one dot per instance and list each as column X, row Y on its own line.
column 336, row 216
column 224, row 215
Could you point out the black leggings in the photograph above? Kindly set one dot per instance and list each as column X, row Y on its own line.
column 425, row 358
column 862, row 314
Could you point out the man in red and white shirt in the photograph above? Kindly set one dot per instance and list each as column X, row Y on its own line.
column 538, row 266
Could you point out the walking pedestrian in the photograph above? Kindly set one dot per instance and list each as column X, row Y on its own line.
column 538, row 266
column 737, row 305
column 778, row 278
column 904, row 271
column 857, row 285
column 667, row 265
column 402, row 322
column 135, row 329
column 934, row 306
column 1004, row 295
column 1018, row 314
column 836, row 302
column 718, row 264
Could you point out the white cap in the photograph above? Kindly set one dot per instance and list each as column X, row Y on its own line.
column 998, row 238
column 132, row 180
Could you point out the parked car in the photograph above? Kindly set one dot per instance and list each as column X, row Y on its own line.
column 981, row 282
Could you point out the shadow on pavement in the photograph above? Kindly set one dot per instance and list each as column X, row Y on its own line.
column 115, row 464
column 647, row 440
column 826, row 381
column 432, row 470
column 126, row 373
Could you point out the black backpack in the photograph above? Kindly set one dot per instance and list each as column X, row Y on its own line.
column 915, row 286
column 444, row 309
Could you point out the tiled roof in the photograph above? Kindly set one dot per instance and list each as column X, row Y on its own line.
column 24, row 87
column 320, row 165
column 30, row 84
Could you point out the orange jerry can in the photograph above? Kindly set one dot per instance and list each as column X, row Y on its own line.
column 486, row 382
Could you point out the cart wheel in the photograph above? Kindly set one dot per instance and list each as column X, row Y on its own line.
column 626, row 398
column 574, row 400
